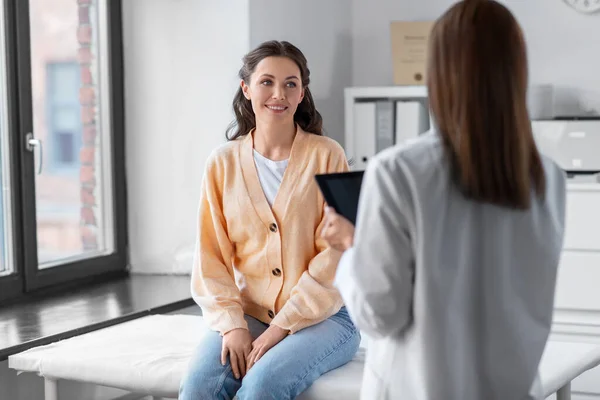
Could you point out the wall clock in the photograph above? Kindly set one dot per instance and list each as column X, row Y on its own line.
column 585, row 6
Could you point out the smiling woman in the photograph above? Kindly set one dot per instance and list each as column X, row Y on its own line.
column 289, row 62
column 259, row 218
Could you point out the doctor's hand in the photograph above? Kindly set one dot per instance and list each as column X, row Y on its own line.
column 264, row 343
column 237, row 344
column 338, row 232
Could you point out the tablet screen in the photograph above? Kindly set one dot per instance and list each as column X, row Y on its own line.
column 341, row 191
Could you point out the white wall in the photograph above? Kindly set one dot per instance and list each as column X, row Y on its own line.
column 181, row 62
column 560, row 41
column 322, row 30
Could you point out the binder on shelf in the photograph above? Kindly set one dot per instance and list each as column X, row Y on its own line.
column 412, row 119
column 384, row 125
column 364, row 133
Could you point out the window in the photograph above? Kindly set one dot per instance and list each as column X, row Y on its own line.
column 61, row 144
column 5, row 210
column 64, row 114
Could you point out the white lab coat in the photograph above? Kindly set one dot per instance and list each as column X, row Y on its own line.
column 456, row 296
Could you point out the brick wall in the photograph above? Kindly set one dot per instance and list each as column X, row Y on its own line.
column 89, row 150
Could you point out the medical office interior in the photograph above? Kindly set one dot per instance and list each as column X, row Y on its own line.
column 125, row 100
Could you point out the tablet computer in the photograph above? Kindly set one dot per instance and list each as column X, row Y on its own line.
column 341, row 191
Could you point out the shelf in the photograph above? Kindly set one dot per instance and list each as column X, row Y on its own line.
column 390, row 92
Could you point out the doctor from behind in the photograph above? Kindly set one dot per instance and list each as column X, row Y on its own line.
column 452, row 269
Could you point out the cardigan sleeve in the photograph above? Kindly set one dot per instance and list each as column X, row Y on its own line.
column 213, row 283
column 314, row 298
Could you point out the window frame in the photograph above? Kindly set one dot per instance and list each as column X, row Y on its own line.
column 28, row 279
column 12, row 286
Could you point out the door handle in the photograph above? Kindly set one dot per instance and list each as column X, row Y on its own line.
column 30, row 143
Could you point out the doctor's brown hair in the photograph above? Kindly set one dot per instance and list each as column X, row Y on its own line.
column 477, row 85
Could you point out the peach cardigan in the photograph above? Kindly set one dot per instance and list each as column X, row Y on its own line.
column 266, row 262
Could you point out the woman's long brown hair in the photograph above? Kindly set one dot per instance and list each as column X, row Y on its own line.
column 477, row 85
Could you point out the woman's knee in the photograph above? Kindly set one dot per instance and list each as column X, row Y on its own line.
column 192, row 387
column 262, row 386
column 205, row 377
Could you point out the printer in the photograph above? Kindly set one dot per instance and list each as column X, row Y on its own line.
column 574, row 144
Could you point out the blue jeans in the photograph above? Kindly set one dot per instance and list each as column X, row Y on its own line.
column 283, row 372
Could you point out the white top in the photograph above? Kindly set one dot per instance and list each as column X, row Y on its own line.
column 270, row 175
column 456, row 296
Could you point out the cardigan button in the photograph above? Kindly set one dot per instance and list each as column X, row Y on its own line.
column 276, row 272
column 273, row 227
column 271, row 314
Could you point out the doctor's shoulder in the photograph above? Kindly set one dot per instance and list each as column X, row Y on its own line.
column 426, row 148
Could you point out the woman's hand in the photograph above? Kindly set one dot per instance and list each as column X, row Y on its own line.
column 264, row 343
column 338, row 232
column 238, row 344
